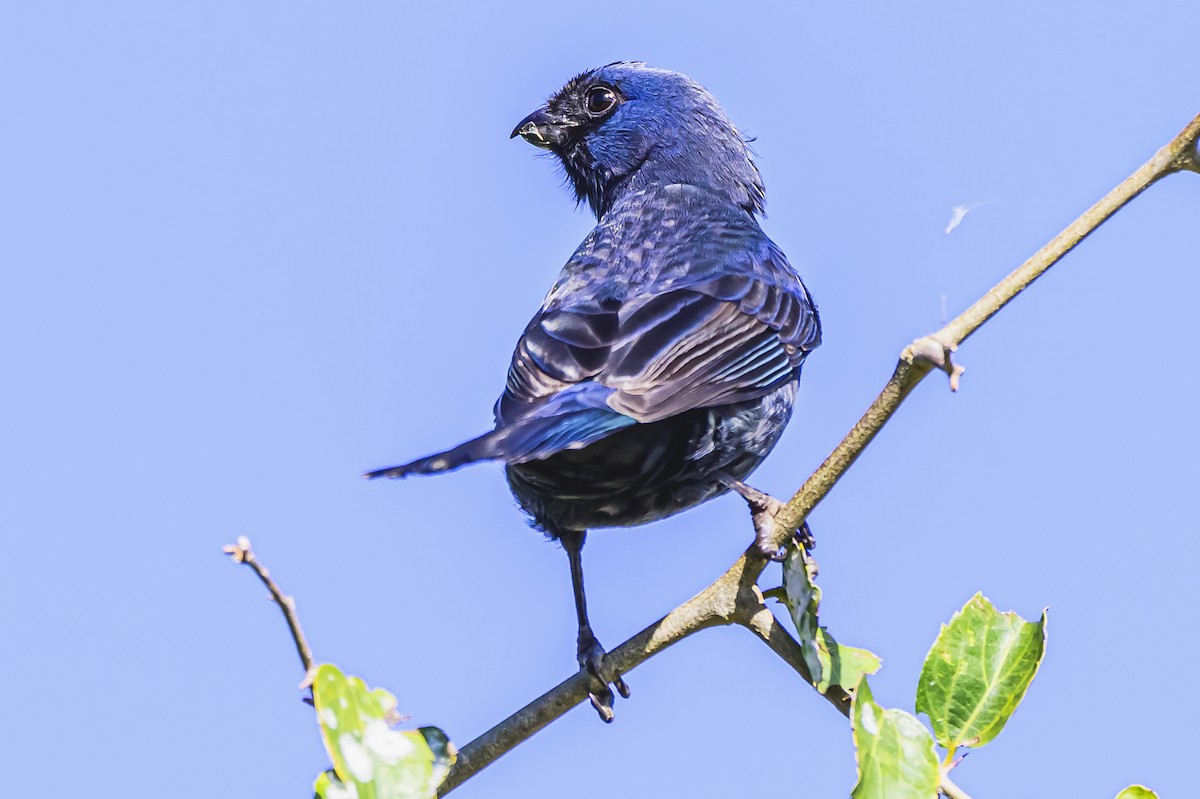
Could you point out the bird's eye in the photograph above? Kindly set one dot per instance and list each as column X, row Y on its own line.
column 600, row 99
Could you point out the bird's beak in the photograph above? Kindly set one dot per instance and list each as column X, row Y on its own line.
column 543, row 129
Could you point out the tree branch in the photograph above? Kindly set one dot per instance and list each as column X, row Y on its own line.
column 734, row 597
column 923, row 354
column 718, row 604
column 767, row 628
column 242, row 553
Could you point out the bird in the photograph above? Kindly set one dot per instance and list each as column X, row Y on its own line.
column 662, row 366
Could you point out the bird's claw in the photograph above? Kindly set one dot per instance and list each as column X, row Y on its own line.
column 591, row 660
column 803, row 538
column 763, row 509
column 764, row 550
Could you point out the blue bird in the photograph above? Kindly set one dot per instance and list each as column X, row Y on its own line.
column 662, row 366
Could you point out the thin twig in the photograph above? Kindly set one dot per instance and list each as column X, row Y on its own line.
column 728, row 599
column 949, row 789
column 242, row 553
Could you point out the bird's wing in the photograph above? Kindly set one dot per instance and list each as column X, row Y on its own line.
column 717, row 341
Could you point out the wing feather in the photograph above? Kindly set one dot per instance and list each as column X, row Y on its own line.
column 662, row 355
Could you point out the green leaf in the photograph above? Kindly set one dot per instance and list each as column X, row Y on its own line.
column 893, row 751
column 978, row 671
column 370, row 759
column 328, row 786
column 1137, row 792
column 829, row 662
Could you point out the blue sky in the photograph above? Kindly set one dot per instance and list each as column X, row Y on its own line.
column 251, row 249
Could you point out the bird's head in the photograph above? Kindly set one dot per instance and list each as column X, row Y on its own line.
column 626, row 126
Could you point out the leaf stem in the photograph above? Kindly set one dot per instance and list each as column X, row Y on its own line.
column 948, row 789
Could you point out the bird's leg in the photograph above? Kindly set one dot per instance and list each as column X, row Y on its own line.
column 763, row 509
column 589, row 651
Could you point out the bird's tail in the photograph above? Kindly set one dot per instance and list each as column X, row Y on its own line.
column 532, row 438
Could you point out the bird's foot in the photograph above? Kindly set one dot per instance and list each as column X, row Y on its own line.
column 591, row 660
column 763, row 510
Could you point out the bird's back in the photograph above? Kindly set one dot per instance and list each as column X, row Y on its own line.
column 679, row 315
column 674, row 236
